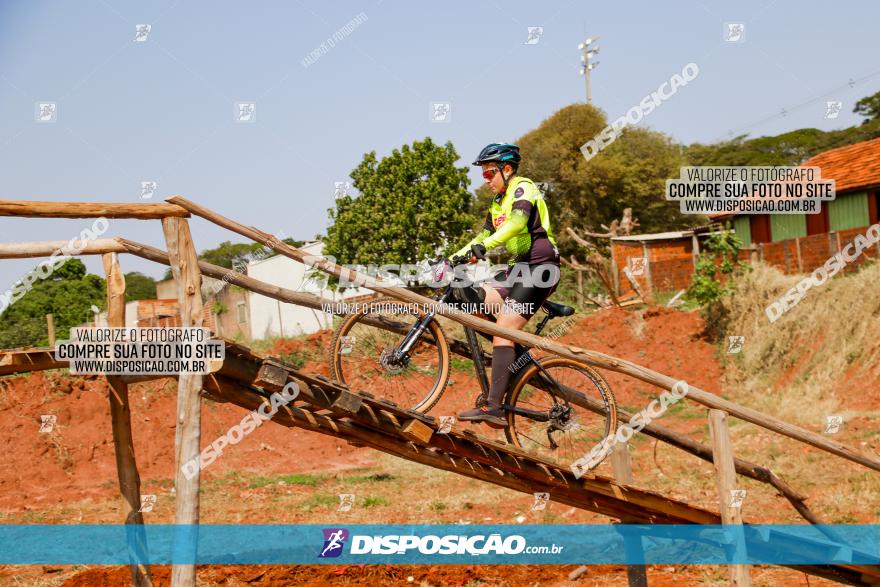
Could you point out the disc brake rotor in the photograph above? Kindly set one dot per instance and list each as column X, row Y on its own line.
column 388, row 362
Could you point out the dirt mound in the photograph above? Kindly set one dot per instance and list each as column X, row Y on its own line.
column 76, row 461
column 821, row 357
column 662, row 339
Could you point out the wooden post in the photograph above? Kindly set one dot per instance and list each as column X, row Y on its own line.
column 636, row 575
column 731, row 512
column 50, row 327
column 123, row 444
column 785, row 255
column 695, row 249
column 649, row 281
column 753, row 253
column 185, row 268
column 615, row 278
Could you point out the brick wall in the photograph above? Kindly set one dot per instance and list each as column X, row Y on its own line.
column 670, row 263
column 166, row 314
column 669, row 266
column 805, row 254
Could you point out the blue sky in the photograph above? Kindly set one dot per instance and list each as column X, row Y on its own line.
column 163, row 109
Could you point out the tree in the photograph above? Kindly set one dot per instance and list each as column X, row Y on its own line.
column 628, row 173
column 69, row 294
column 409, row 204
column 869, row 107
column 790, row 148
column 139, row 287
column 228, row 254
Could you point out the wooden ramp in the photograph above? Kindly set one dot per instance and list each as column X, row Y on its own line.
column 247, row 379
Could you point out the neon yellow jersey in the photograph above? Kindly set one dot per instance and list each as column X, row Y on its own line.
column 519, row 219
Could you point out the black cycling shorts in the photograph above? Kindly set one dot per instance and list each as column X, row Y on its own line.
column 524, row 288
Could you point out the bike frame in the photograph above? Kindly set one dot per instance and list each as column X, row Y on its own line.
column 421, row 326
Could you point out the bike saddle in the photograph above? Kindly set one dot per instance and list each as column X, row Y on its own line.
column 554, row 309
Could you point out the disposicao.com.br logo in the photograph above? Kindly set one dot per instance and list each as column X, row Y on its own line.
column 431, row 544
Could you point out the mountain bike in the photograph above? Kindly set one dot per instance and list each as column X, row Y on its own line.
column 556, row 407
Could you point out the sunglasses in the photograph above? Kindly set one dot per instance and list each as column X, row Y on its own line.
column 489, row 174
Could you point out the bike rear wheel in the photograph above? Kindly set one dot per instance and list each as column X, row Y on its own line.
column 361, row 357
column 569, row 422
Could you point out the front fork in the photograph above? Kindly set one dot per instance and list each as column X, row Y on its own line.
column 401, row 353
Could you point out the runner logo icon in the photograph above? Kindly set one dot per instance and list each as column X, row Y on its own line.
column 334, row 540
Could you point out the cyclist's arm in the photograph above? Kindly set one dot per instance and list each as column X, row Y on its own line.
column 513, row 226
column 481, row 236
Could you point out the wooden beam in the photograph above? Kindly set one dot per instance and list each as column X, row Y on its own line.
column 731, row 509
column 47, row 248
column 27, row 360
column 704, row 452
column 123, row 444
column 273, row 291
column 530, row 340
column 35, row 209
column 185, row 268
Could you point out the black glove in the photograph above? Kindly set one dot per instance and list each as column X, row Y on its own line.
column 458, row 260
column 479, row 251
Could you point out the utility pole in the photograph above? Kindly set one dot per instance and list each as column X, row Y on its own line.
column 588, row 50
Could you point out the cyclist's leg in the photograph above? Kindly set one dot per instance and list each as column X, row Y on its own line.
column 503, row 356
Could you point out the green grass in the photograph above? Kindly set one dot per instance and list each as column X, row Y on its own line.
column 293, row 479
column 319, row 500
column 461, row 364
column 295, row 359
column 375, row 500
column 374, row 478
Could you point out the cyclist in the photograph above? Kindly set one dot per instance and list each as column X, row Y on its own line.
column 517, row 218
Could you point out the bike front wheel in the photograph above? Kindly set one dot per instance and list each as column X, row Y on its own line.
column 362, row 357
column 567, row 424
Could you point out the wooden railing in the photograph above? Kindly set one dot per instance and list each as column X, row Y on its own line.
column 187, row 270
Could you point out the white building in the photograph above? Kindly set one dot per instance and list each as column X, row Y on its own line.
column 268, row 317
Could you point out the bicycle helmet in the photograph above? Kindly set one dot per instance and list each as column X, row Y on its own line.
column 502, row 153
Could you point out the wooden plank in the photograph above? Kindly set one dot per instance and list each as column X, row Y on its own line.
column 530, row 340
column 621, row 464
column 731, row 512
column 37, row 209
column 48, row 248
column 123, row 444
column 417, row 431
column 347, row 402
column 185, row 268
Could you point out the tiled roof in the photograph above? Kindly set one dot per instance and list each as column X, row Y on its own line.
column 853, row 167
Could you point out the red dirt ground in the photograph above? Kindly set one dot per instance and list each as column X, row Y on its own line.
column 373, row 575
column 77, row 461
